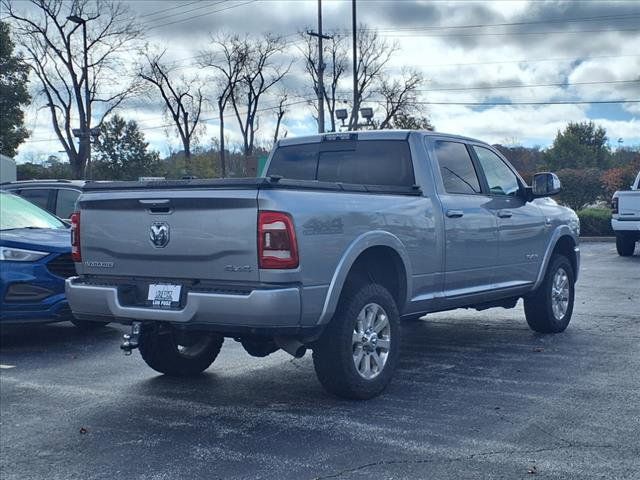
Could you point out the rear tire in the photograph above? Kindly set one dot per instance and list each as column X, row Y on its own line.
column 625, row 244
column 358, row 351
column 549, row 308
column 179, row 356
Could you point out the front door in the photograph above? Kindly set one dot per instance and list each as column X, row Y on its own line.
column 471, row 237
column 521, row 225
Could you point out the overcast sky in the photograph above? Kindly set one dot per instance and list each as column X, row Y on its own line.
column 549, row 51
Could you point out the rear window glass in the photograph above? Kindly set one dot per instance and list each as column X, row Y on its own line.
column 366, row 162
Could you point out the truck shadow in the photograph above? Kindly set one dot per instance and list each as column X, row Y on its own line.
column 60, row 335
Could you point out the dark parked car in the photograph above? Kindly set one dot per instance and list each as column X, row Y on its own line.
column 35, row 259
column 56, row 196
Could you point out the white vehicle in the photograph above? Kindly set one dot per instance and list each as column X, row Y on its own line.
column 626, row 218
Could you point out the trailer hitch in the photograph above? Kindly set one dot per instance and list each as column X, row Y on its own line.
column 131, row 340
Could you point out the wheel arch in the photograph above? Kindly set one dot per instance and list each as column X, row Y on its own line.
column 564, row 242
column 370, row 254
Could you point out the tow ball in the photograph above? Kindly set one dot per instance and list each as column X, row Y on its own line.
column 131, row 340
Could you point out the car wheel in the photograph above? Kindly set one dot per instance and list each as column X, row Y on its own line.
column 549, row 308
column 625, row 244
column 87, row 325
column 179, row 354
column 358, row 352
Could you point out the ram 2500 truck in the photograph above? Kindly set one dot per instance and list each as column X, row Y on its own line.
column 345, row 235
column 625, row 221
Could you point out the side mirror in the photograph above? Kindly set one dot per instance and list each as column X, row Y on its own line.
column 545, row 184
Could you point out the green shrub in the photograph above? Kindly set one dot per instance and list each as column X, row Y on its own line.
column 595, row 222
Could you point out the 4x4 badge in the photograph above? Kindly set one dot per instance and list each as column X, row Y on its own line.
column 159, row 234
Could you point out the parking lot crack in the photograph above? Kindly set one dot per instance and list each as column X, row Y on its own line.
column 471, row 456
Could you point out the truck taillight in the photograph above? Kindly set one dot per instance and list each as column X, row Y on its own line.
column 75, row 237
column 277, row 246
column 614, row 205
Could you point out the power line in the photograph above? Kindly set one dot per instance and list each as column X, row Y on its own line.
column 507, row 104
column 203, row 15
column 502, row 34
column 533, row 60
column 492, row 87
column 172, row 15
column 535, row 22
column 182, row 5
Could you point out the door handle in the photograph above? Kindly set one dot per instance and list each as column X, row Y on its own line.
column 454, row 213
column 504, row 214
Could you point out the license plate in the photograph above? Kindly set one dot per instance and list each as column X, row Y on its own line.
column 163, row 295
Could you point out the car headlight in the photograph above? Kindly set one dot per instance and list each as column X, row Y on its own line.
column 11, row 254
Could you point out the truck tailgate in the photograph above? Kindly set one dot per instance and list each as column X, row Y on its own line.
column 629, row 205
column 170, row 234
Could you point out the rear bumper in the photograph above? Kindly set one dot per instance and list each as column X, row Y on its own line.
column 267, row 308
column 625, row 225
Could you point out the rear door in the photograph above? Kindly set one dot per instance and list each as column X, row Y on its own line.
column 470, row 228
column 193, row 234
column 521, row 225
column 65, row 202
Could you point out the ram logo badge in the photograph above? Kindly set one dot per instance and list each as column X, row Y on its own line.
column 159, row 234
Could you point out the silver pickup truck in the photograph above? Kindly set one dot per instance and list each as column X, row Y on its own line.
column 344, row 236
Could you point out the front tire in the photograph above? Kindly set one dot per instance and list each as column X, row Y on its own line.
column 549, row 308
column 179, row 354
column 625, row 245
column 358, row 352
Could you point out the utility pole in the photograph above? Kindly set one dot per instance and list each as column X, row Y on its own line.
column 320, row 68
column 85, row 130
column 354, row 29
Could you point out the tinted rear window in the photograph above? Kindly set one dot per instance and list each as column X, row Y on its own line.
column 366, row 162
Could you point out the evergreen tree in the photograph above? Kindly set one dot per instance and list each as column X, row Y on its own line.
column 579, row 145
column 122, row 153
column 13, row 95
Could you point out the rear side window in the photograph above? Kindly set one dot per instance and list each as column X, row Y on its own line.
column 66, row 202
column 38, row 196
column 457, row 170
column 366, row 162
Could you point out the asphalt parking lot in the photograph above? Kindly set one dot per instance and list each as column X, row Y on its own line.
column 477, row 395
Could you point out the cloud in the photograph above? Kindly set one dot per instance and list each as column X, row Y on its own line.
column 460, row 64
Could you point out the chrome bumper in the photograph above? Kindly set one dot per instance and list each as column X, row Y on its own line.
column 259, row 308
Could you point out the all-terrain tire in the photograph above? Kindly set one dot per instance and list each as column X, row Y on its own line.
column 163, row 352
column 334, row 354
column 625, row 245
column 539, row 306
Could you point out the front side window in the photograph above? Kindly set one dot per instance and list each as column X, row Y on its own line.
column 39, row 196
column 457, row 170
column 501, row 180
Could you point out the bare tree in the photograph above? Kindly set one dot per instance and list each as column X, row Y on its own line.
column 56, row 54
column 182, row 97
column 374, row 54
column 261, row 72
column 229, row 57
column 399, row 96
column 336, row 62
column 280, row 113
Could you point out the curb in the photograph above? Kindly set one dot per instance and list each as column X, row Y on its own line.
column 597, row 239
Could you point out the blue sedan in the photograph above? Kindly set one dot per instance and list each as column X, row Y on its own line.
column 35, row 259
